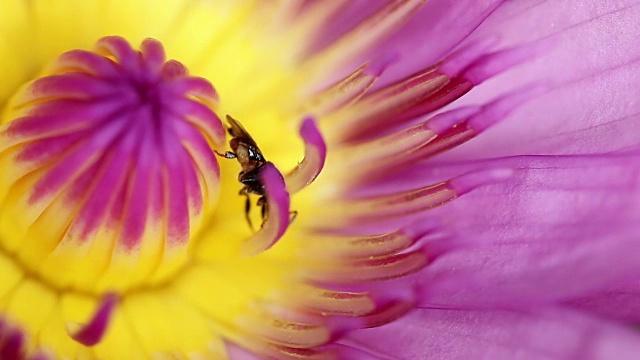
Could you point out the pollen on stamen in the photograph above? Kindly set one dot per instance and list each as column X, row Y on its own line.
column 108, row 162
column 397, row 105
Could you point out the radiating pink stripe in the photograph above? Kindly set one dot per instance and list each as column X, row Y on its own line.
column 198, row 87
column 49, row 149
column 58, row 117
column 198, row 146
column 176, row 207
column 200, row 116
column 137, row 208
column 158, row 194
column 89, row 62
column 110, row 184
column 128, row 59
column 59, row 175
column 80, row 186
column 192, row 184
column 69, row 86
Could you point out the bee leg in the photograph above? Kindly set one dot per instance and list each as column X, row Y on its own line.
column 228, row 154
column 264, row 211
column 247, row 207
column 247, row 211
column 292, row 216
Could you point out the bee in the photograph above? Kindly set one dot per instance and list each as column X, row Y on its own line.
column 245, row 149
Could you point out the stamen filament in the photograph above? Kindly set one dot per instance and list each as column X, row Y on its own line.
column 92, row 332
column 315, row 152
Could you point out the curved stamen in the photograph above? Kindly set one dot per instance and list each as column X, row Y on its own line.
column 287, row 333
column 324, row 301
column 461, row 125
column 92, row 332
column 383, row 111
column 14, row 345
column 371, row 269
column 315, row 153
column 376, row 159
column 384, row 213
column 333, row 247
column 378, row 109
column 356, row 160
column 347, row 90
column 278, row 219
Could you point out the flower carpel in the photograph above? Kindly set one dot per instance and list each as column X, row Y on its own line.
column 108, row 162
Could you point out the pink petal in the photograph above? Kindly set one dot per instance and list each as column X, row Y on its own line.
column 440, row 26
column 619, row 303
column 560, row 228
column 588, row 58
column 591, row 67
column 454, row 334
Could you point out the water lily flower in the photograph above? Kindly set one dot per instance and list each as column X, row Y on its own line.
column 319, row 179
